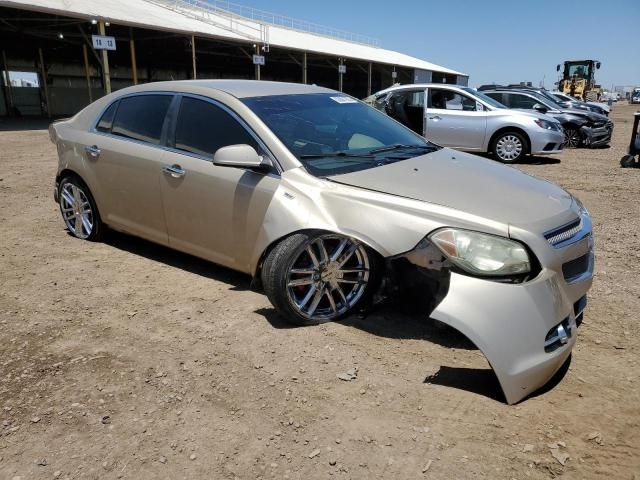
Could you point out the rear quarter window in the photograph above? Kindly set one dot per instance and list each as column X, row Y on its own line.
column 106, row 121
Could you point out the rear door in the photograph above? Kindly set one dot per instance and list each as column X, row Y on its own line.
column 455, row 120
column 212, row 211
column 126, row 154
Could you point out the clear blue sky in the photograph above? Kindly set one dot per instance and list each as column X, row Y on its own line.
column 491, row 40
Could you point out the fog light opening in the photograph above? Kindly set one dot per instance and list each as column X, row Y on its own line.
column 557, row 336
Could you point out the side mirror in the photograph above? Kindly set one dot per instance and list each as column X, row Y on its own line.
column 540, row 108
column 597, row 65
column 240, row 156
column 557, row 68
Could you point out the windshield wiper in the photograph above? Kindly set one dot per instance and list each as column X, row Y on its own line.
column 338, row 154
column 398, row 146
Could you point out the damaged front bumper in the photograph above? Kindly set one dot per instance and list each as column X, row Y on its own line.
column 598, row 136
column 526, row 328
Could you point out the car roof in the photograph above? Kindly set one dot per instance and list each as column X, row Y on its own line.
column 411, row 86
column 237, row 88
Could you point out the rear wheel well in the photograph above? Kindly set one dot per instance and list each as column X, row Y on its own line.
column 518, row 130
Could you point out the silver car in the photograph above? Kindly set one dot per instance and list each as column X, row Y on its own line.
column 465, row 119
column 328, row 203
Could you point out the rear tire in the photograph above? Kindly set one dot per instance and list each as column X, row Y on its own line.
column 79, row 210
column 316, row 277
column 509, row 147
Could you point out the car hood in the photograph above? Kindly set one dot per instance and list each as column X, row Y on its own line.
column 529, row 113
column 467, row 183
column 591, row 116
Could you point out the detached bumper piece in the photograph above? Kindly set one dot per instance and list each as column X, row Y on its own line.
column 525, row 330
column 597, row 136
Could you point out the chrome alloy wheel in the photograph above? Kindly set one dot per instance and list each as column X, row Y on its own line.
column 328, row 277
column 509, row 147
column 76, row 210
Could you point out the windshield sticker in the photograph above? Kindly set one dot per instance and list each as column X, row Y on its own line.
column 344, row 99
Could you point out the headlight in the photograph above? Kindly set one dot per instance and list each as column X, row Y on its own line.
column 581, row 208
column 482, row 254
column 547, row 125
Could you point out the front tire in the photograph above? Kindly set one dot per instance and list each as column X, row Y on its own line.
column 79, row 210
column 629, row 161
column 572, row 137
column 509, row 147
column 316, row 277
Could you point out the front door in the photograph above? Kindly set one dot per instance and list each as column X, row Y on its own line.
column 211, row 211
column 454, row 120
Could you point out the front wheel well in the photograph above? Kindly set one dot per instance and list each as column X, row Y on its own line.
column 504, row 130
column 256, row 281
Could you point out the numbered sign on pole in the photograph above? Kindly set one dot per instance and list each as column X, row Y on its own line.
column 103, row 42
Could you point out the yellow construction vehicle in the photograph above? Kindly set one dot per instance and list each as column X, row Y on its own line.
column 578, row 79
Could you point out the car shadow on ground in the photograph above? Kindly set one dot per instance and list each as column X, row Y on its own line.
column 387, row 319
column 158, row 253
column 483, row 381
column 529, row 160
column 540, row 160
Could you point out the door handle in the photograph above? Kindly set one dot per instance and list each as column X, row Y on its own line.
column 435, row 117
column 92, row 150
column 175, row 170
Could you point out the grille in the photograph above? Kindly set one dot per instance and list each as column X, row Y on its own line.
column 561, row 234
column 576, row 267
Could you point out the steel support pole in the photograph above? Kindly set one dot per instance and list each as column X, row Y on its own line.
column 304, row 68
column 43, row 73
column 7, row 84
column 193, row 56
column 369, row 79
column 340, row 77
column 134, row 64
column 106, row 76
column 257, row 67
column 87, row 71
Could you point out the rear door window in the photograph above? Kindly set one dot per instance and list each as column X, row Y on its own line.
column 449, row 100
column 202, row 128
column 519, row 100
column 498, row 97
column 141, row 117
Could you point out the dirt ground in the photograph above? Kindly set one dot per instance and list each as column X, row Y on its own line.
column 123, row 359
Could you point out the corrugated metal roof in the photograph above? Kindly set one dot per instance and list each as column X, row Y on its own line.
column 148, row 14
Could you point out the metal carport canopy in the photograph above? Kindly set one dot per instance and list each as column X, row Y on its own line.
column 146, row 14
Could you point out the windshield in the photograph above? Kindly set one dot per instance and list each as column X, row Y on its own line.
column 332, row 133
column 562, row 97
column 546, row 100
column 551, row 99
column 485, row 98
column 579, row 70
